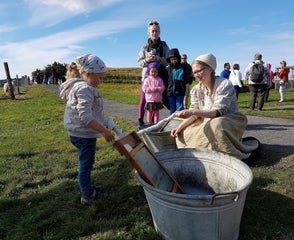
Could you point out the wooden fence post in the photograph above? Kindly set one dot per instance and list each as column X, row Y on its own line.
column 18, row 83
column 11, row 88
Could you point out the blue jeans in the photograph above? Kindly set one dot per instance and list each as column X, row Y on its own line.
column 86, row 151
column 175, row 103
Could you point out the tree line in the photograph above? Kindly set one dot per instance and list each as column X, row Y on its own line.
column 53, row 73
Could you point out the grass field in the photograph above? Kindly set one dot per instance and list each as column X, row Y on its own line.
column 39, row 197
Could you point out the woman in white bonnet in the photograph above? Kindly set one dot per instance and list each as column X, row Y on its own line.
column 213, row 120
column 84, row 119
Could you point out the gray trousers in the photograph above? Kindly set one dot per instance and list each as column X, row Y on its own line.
column 257, row 93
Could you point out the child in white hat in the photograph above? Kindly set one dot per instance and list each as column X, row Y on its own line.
column 84, row 119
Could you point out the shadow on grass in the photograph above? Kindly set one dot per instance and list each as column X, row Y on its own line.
column 52, row 210
column 28, row 155
column 266, row 127
column 21, row 97
column 21, row 156
column 270, row 154
column 267, row 214
column 278, row 108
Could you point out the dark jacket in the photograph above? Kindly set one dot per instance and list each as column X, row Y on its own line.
column 177, row 75
column 189, row 72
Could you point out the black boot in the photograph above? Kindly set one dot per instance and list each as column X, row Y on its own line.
column 140, row 123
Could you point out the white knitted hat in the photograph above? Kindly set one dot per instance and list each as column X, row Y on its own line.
column 91, row 64
column 209, row 59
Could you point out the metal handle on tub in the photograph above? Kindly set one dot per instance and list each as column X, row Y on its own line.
column 236, row 194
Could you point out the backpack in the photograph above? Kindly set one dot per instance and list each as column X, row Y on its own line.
column 256, row 72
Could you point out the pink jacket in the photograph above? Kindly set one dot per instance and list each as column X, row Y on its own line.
column 149, row 85
column 272, row 75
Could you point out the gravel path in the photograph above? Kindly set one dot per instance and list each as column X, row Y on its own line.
column 275, row 134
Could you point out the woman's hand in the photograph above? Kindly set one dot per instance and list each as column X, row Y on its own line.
column 185, row 123
column 174, row 132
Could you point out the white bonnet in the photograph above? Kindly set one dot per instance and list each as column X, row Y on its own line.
column 91, row 64
column 209, row 59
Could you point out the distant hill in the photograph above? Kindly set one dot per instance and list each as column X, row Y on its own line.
column 135, row 71
column 123, row 75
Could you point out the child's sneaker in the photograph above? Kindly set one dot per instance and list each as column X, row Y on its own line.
column 97, row 193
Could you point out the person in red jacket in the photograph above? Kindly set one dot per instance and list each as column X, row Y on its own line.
column 283, row 75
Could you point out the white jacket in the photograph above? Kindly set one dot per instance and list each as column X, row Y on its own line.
column 236, row 78
column 83, row 104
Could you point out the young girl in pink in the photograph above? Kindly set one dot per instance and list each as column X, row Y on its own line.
column 153, row 87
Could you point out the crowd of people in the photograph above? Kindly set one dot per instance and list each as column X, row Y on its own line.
column 209, row 111
column 176, row 74
column 213, row 120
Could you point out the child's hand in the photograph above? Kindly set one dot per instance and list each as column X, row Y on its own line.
column 108, row 135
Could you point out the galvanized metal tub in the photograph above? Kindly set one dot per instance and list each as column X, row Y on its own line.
column 216, row 186
column 159, row 138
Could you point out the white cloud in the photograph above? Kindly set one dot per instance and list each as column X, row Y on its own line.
column 51, row 12
column 7, row 28
column 79, row 5
column 39, row 52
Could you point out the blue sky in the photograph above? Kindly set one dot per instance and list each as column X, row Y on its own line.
column 34, row 33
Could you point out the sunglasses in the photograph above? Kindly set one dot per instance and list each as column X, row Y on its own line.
column 153, row 23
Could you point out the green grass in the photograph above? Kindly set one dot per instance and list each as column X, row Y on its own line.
column 39, row 197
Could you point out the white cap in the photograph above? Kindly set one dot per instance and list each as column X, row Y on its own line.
column 209, row 59
column 91, row 64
